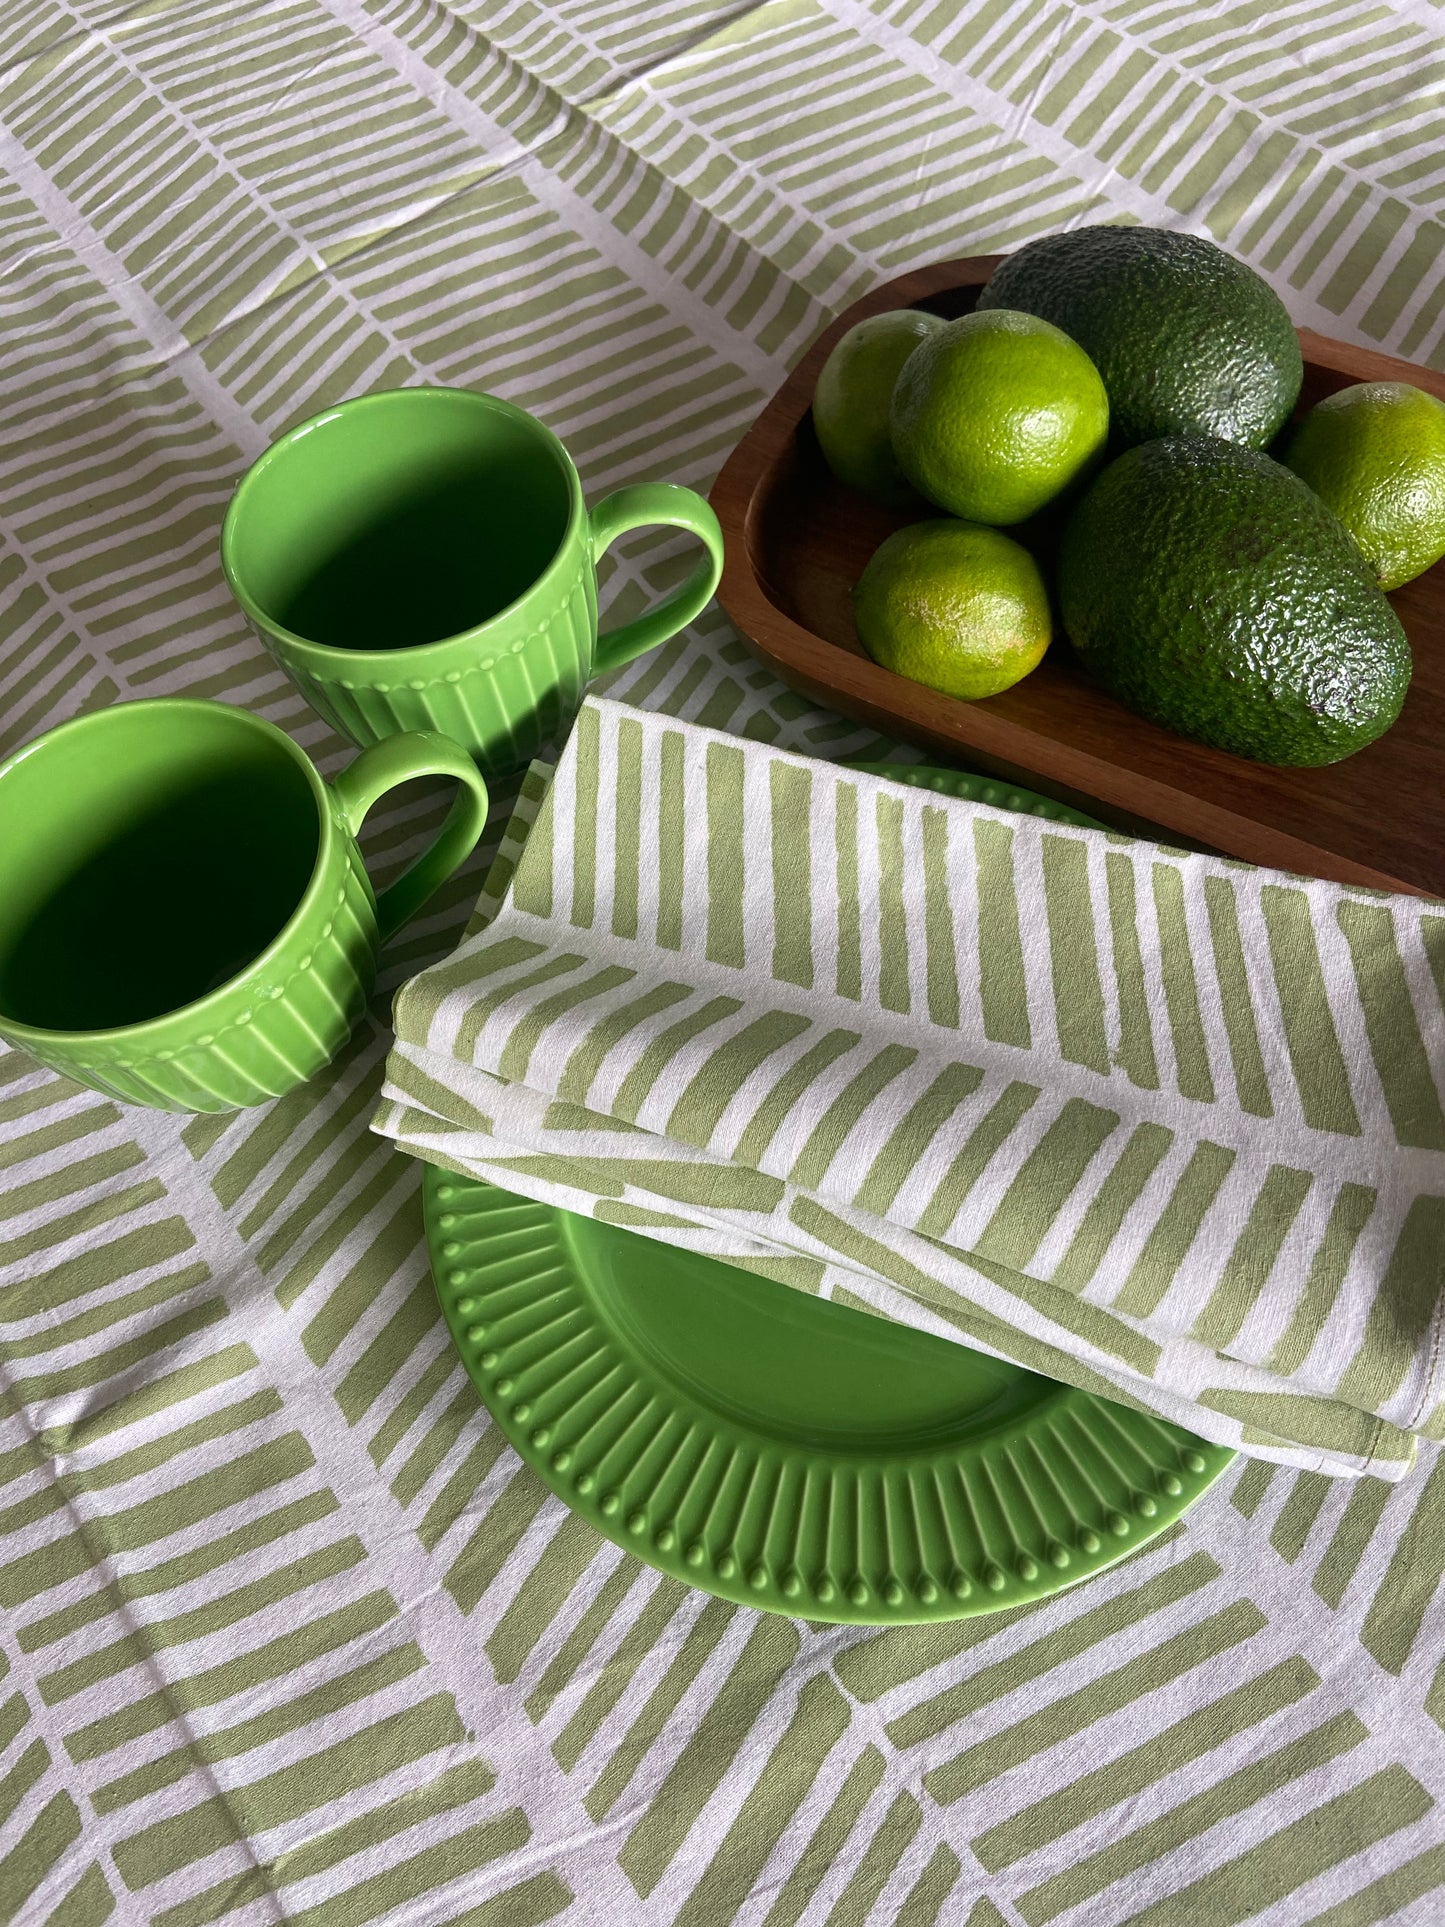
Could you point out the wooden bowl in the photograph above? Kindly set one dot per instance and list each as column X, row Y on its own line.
column 797, row 541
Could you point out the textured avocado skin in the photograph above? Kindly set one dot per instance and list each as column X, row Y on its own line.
column 1189, row 341
column 1211, row 590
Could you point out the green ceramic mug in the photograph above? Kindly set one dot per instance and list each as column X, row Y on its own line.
column 185, row 919
column 423, row 559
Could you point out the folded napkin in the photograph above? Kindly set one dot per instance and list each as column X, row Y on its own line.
column 1161, row 1125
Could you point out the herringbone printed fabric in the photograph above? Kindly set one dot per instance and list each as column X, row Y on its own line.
column 288, row 1633
column 1079, row 1099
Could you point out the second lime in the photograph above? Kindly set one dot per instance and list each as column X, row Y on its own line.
column 1375, row 456
column 997, row 413
column 959, row 608
column 853, row 397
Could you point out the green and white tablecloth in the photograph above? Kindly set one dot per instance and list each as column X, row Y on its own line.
column 288, row 1633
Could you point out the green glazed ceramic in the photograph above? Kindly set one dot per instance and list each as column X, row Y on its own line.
column 185, row 919
column 423, row 559
column 780, row 1450
column 783, row 1451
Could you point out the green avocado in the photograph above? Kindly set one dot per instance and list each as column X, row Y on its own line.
column 1211, row 590
column 1189, row 341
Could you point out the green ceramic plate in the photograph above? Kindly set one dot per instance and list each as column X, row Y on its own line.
column 780, row 1450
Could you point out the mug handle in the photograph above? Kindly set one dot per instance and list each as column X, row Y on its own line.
column 674, row 508
column 397, row 759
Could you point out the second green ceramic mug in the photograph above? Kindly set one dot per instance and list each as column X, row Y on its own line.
column 423, row 559
column 185, row 919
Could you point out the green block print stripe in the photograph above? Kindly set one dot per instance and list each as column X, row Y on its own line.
column 1309, row 1026
column 575, row 1080
column 633, row 1091
column 892, row 937
column 768, row 1119
column 714, row 1187
column 849, row 979
column 818, row 1854
column 1001, row 980
column 1298, row 1514
column 1027, row 1659
column 942, row 957
column 1073, row 960
column 971, row 1160
column 1309, row 1846
column 1411, row 1580
column 458, row 1787
column 1407, row 1305
column 914, row 1135
column 1334, row 1427
column 1276, row 1867
column 583, row 864
column 784, row 1777
column 532, row 884
column 161, row 1848
column 627, row 830
column 870, row 1255
column 1388, row 1897
column 717, row 1081
column 1247, row 1270
column 562, row 1117
column 480, row 1012
column 1181, row 987
column 338, row 1693
column 40, row 1847
column 1073, row 1712
column 701, row 1641
column 1045, row 1181
column 1136, row 1036
column 212, row 1685
column 516, row 1053
column 791, row 794
column 726, row 855
column 1236, row 1000
column 1351, row 1213
column 830, row 1132
column 418, row 1003
column 670, row 794
column 1174, row 1230
column 1131, row 1171
column 1396, row 1044
column 637, row 1646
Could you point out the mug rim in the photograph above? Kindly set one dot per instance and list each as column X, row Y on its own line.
column 151, row 1028
column 368, row 661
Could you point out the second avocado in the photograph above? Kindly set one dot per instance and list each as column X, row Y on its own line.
column 1210, row 590
column 1189, row 340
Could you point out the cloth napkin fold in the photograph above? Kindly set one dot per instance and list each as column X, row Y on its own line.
column 1161, row 1125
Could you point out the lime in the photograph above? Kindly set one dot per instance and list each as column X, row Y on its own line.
column 959, row 608
column 1375, row 456
column 996, row 413
column 852, row 399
